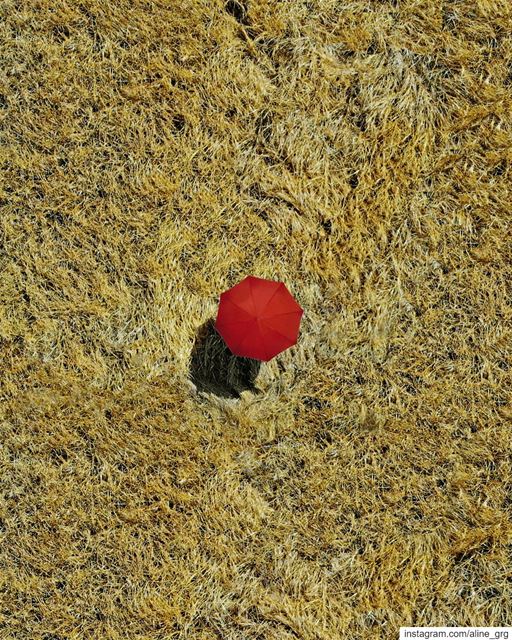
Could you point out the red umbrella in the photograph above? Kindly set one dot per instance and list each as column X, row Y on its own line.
column 258, row 318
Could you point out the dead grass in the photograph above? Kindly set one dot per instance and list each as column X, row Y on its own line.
column 152, row 155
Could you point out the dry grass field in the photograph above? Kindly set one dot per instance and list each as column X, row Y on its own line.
column 154, row 153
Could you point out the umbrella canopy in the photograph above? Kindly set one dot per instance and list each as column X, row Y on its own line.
column 258, row 318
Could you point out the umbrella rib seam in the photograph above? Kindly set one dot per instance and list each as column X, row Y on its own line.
column 270, row 299
column 252, row 300
column 238, row 346
column 280, row 334
column 238, row 306
column 278, row 315
column 235, row 321
column 263, row 346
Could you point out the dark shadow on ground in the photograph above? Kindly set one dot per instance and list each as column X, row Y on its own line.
column 214, row 369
